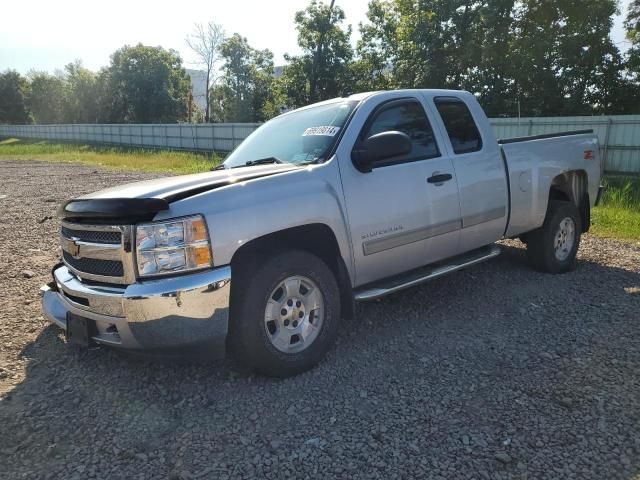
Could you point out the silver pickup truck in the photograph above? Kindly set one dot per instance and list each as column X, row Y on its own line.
column 342, row 201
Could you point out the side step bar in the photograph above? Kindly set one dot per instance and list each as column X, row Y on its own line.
column 421, row 275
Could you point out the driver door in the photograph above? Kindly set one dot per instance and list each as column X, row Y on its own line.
column 400, row 217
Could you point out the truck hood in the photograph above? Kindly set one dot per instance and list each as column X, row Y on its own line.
column 142, row 200
column 183, row 186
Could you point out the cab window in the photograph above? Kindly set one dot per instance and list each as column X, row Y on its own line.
column 461, row 127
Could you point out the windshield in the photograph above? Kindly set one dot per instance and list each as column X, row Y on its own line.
column 299, row 137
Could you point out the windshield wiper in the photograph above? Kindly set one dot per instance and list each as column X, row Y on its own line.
column 218, row 167
column 263, row 161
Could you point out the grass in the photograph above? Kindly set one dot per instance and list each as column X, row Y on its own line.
column 618, row 215
column 115, row 158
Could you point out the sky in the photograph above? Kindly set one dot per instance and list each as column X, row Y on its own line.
column 46, row 34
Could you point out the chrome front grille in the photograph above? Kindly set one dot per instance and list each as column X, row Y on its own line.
column 100, row 253
column 95, row 236
column 95, row 266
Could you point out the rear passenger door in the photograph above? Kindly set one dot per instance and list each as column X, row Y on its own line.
column 479, row 168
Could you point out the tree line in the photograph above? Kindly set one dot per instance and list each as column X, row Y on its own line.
column 141, row 85
column 528, row 57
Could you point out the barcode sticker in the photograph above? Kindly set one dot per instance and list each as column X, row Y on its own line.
column 327, row 131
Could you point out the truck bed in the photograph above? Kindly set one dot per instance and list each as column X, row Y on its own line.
column 532, row 163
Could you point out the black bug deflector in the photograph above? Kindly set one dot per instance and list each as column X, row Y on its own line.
column 133, row 209
column 150, row 197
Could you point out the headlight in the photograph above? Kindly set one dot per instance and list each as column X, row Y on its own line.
column 173, row 246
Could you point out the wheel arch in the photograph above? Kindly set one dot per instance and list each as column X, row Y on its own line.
column 573, row 186
column 316, row 238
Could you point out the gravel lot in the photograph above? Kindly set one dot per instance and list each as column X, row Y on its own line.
column 492, row 373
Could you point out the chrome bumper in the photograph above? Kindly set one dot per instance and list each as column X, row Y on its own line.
column 155, row 314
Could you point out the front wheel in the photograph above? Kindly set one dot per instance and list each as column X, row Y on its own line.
column 553, row 247
column 285, row 314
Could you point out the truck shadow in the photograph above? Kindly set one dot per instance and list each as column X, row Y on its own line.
column 494, row 359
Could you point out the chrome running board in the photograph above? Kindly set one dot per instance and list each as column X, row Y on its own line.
column 421, row 275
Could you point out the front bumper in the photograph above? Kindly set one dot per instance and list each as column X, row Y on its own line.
column 151, row 315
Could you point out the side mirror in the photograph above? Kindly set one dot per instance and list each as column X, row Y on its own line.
column 379, row 147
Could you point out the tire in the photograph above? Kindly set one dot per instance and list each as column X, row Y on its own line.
column 553, row 247
column 261, row 297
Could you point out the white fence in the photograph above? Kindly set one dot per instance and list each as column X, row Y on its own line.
column 619, row 135
column 207, row 137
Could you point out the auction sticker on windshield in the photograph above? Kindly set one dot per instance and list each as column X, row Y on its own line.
column 327, row 131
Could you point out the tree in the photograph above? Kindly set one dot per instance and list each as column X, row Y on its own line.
column 631, row 91
column 46, row 98
column 246, row 87
column 81, row 101
column 548, row 57
column 632, row 25
column 14, row 90
column 481, row 52
column 404, row 44
column 372, row 70
column 433, row 43
column 110, row 103
column 147, row 85
column 322, row 71
column 565, row 61
column 205, row 42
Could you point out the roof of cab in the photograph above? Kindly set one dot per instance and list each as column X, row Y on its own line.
column 363, row 95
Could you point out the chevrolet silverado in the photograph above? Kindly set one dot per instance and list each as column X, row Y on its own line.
column 342, row 201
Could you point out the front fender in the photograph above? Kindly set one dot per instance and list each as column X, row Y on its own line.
column 241, row 212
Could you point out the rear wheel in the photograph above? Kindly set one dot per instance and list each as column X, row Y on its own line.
column 553, row 247
column 285, row 314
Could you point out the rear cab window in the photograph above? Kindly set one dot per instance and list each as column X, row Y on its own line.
column 461, row 127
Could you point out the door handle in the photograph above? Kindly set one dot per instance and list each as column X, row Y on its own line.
column 439, row 178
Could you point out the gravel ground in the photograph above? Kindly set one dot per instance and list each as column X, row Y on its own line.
column 492, row 373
